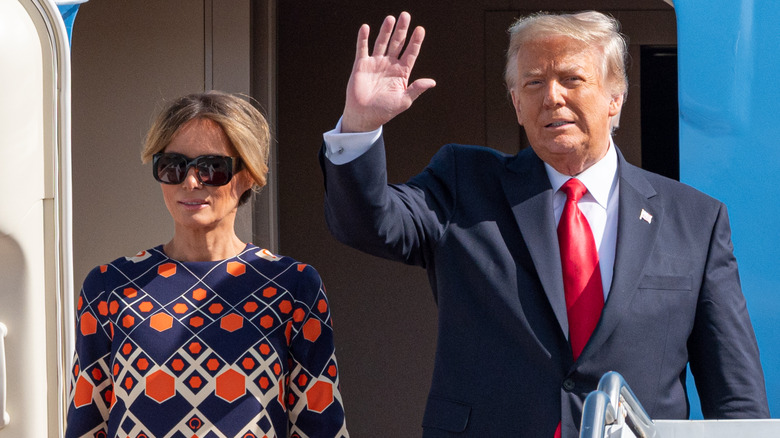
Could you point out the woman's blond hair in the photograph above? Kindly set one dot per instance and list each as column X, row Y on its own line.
column 243, row 124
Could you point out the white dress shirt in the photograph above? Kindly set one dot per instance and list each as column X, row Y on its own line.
column 341, row 148
column 599, row 204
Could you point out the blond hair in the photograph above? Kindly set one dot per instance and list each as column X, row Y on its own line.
column 243, row 124
column 590, row 27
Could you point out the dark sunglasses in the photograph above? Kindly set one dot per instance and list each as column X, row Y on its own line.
column 211, row 170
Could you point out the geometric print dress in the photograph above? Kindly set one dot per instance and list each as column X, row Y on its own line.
column 241, row 347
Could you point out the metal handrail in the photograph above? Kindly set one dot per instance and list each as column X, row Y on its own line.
column 612, row 401
column 597, row 413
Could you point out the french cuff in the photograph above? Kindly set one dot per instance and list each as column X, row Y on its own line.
column 341, row 148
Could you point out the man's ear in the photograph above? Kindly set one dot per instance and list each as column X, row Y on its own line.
column 516, row 104
column 615, row 104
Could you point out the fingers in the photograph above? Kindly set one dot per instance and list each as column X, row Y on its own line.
column 399, row 36
column 380, row 45
column 391, row 41
column 362, row 42
column 413, row 50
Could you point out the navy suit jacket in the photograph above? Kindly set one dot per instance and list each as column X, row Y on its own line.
column 481, row 223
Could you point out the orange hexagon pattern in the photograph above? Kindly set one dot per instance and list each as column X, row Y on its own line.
column 128, row 321
column 236, row 269
column 285, row 306
column 298, row 315
column 195, row 381
column 83, row 393
column 160, row 386
column 267, row 321
column 230, row 385
column 248, row 363
column 319, row 396
column 161, row 321
column 145, row 306
column 212, row 364
column 199, row 294
column 322, row 306
column 264, row 349
column 215, row 308
column 180, row 308
column 166, row 270
column 311, row 330
column 264, row 382
column 231, row 322
column 88, row 324
column 177, row 365
column 195, row 347
column 288, row 332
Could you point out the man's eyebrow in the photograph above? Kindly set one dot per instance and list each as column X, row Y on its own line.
column 531, row 73
column 569, row 68
column 566, row 69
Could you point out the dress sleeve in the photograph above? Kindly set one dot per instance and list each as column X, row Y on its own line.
column 91, row 385
column 313, row 398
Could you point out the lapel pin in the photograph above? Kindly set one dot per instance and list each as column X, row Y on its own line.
column 645, row 216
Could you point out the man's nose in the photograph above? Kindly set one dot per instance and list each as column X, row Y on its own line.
column 554, row 94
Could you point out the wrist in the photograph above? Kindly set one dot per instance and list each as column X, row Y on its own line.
column 351, row 124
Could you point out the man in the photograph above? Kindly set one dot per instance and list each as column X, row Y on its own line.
column 553, row 266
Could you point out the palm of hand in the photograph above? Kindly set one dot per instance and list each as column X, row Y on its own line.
column 378, row 88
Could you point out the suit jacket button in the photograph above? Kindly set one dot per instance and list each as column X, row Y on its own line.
column 568, row 384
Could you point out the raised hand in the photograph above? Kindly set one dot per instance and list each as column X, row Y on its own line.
column 378, row 87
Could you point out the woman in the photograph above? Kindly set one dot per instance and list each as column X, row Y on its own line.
column 205, row 336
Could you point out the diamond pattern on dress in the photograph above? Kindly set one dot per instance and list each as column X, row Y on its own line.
column 239, row 347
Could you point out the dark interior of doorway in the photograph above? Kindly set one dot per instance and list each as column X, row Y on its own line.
column 660, row 123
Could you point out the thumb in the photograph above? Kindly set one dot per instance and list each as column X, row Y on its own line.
column 418, row 87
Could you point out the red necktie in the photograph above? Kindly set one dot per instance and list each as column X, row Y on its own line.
column 581, row 274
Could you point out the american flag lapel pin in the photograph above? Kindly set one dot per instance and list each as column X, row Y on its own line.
column 645, row 216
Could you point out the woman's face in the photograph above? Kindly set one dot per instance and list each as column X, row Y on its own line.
column 193, row 205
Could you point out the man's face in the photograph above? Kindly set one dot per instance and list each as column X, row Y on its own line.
column 563, row 103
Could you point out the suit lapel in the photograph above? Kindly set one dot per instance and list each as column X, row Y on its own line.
column 528, row 190
column 636, row 234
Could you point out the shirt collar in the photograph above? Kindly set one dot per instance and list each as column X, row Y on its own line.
column 598, row 178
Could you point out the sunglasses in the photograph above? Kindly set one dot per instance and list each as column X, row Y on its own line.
column 210, row 170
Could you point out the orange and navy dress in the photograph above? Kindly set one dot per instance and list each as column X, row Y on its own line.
column 241, row 347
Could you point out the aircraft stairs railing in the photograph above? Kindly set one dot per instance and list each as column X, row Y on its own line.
column 613, row 411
